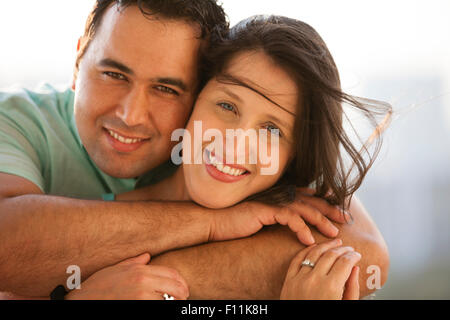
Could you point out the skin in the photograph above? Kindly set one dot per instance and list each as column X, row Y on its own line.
column 333, row 276
column 95, row 234
column 223, row 106
column 134, row 90
column 335, row 264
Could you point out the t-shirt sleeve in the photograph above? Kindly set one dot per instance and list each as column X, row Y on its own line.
column 18, row 156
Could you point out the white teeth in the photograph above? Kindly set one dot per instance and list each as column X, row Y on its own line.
column 224, row 168
column 123, row 139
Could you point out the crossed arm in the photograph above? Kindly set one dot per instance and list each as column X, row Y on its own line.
column 42, row 235
column 255, row 267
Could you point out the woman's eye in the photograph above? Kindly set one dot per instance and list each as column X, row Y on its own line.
column 227, row 106
column 273, row 129
column 167, row 90
column 115, row 75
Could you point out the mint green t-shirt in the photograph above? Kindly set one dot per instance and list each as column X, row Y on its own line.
column 39, row 141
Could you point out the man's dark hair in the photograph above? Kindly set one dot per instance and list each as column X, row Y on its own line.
column 207, row 14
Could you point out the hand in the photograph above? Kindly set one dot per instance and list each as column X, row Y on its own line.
column 334, row 276
column 132, row 279
column 248, row 218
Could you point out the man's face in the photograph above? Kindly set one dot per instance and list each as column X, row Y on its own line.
column 135, row 86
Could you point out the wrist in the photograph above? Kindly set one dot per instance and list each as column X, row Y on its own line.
column 182, row 225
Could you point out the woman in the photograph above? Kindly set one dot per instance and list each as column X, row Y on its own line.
column 275, row 75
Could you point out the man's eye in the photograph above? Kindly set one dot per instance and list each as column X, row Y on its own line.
column 167, row 90
column 273, row 129
column 227, row 106
column 115, row 75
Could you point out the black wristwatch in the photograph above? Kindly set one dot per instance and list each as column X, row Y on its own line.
column 58, row 293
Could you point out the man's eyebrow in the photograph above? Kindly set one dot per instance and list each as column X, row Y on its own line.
column 107, row 62
column 173, row 82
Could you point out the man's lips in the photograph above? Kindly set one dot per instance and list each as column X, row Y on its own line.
column 123, row 143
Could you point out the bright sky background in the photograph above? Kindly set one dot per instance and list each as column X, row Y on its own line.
column 38, row 38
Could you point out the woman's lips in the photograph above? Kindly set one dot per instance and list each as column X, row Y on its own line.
column 127, row 145
column 222, row 176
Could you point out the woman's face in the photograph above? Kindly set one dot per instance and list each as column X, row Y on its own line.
column 218, row 182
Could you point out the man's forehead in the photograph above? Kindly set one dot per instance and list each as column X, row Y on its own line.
column 131, row 16
column 151, row 47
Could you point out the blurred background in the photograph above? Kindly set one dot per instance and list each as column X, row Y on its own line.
column 395, row 51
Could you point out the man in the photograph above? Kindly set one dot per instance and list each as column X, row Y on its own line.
column 135, row 82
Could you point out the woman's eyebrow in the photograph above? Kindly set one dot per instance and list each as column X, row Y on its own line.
column 268, row 116
column 229, row 79
column 277, row 120
column 231, row 94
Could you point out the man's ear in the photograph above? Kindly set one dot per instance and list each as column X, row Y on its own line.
column 74, row 80
column 79, row 44
column 75, row 73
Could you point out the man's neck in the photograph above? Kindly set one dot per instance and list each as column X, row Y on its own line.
column 172, row 188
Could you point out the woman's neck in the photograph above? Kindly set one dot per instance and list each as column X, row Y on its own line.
column 172, row 188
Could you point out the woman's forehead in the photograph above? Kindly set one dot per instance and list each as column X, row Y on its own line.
column 257, row 71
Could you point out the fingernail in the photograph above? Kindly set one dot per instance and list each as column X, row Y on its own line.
column 338, row 241
column 336, row 230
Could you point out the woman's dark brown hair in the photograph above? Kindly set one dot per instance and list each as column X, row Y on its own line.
column 322, row 144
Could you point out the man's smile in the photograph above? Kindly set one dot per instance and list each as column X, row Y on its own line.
column 124, row 143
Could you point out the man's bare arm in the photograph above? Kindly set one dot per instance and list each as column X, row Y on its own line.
column 40, row 235
column 255, row 267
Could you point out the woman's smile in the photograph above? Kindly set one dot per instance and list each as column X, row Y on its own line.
column 221, row 171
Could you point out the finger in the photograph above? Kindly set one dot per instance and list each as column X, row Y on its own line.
column 308, row 191
column 328, row 259
column 296, row 262
column 333, row 212
column 342, row 269
column 315, row 254
column 172, row 287
column 351, row 291
column 140, row 259
column 315, row 218
column 296, row 224
column 167, row 272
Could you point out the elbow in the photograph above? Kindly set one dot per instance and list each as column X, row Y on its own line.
column 382, row 260
column 377, row 267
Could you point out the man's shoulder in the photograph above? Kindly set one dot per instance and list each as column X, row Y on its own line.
column 44, row 97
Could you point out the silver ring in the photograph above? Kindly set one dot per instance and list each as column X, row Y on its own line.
column 168, row 297
column 308, row 263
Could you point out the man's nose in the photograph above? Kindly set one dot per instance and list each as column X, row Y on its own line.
column 134, row 108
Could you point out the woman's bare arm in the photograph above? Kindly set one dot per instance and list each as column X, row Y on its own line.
column 255, row 267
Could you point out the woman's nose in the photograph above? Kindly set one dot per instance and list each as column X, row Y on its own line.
column 243, row 144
